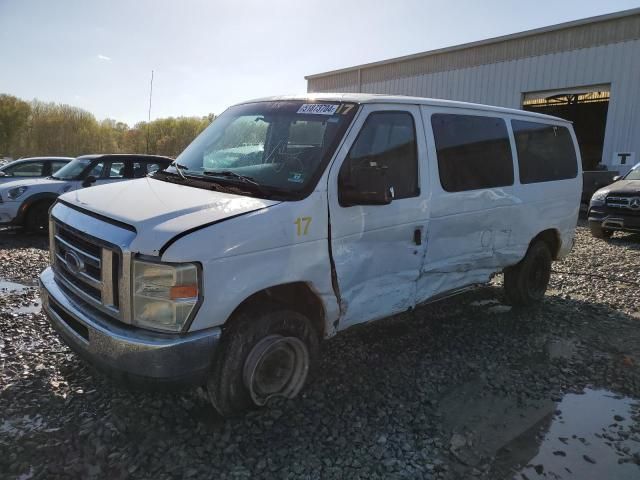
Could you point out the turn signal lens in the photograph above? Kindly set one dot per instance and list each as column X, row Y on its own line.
column 183, row 291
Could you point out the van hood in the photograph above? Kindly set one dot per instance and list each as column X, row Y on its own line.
column 161, row 210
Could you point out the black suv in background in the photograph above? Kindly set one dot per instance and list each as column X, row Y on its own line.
column 616, row 207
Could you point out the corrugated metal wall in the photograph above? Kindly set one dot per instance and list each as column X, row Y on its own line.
column 504, row 82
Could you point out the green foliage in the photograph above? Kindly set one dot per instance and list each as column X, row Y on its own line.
column 40, row 128
column 14, row 114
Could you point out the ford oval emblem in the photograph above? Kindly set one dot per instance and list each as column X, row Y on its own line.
column 74, row 262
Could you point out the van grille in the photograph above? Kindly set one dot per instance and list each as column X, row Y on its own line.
column 88, row 267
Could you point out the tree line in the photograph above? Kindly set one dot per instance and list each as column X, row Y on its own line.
column 38, row 128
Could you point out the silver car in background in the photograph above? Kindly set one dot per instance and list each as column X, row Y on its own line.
column 33, row 167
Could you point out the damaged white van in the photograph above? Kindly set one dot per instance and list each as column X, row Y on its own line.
column 292, row 218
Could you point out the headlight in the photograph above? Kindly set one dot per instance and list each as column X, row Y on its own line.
column 600, row 196
column 14, row 193
column 164, row 294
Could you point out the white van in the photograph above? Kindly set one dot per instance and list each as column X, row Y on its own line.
column 292, row 218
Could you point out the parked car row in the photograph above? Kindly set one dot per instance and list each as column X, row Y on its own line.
column 28, row 187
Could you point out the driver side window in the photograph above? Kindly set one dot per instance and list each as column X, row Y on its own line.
column 387, row 142
column 96, row 170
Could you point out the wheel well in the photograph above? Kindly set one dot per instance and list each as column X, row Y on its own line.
column 42, row 201
column 298, row 296
column 30, row 203
column 552, row 238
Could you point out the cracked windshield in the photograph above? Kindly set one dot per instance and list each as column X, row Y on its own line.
column 279, row 146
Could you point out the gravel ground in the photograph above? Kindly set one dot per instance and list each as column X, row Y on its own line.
column 467, row 387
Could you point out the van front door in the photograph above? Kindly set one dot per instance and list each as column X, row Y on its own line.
column 377, row 250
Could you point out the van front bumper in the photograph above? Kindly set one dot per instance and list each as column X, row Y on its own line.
column 127, row 353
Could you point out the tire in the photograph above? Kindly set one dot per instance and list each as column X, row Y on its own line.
column 598, row 232
column 37, row 218
column 526, row 283
column 255, row 340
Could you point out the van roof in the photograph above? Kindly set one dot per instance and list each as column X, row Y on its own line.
column 379, row 98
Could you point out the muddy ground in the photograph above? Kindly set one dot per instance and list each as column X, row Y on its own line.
column 465, row 388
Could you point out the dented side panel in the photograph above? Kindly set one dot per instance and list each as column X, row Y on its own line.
column 377, row 260
column 282, row 244
column 474, row 234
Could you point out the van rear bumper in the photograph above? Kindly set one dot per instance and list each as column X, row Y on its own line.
column 127, row 353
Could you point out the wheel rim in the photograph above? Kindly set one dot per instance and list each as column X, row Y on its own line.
column 538, row 278
column 276, row 366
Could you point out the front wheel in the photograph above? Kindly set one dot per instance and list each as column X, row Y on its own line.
column 37, row 219
column 526, row 282
column 262, row 355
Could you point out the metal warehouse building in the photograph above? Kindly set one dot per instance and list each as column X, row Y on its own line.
column 587, row 71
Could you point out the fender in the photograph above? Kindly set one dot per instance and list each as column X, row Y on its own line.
column 32, row 200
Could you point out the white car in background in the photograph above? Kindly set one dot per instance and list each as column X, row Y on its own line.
column 33, row 167
column 26, row 201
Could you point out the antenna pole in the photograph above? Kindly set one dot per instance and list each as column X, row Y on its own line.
column 149, row 116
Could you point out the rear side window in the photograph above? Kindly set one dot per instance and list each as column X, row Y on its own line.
column 545, row 152
column 388, row 141
column 26, row 169
column 473, row 152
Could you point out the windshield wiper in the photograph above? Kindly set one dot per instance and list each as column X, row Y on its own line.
column 179, row 168
column 230, row 174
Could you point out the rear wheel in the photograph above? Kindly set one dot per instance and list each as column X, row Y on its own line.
column 598, row 232
column 37, row 219
column 263, row 354
column 526, row 282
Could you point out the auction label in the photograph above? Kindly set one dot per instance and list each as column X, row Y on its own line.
column 318, row 108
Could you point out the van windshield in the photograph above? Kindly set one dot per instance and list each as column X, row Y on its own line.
column 277, row 147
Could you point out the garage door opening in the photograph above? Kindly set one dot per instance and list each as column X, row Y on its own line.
column 586, row 107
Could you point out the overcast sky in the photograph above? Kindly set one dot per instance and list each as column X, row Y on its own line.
column 207, row 54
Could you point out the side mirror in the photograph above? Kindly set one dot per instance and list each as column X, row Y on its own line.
column 90, row 180
column 617, row 177
column 370, row 187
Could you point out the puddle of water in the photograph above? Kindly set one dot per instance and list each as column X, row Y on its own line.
column 11, row 287
column 7, row 287
column 592, row 436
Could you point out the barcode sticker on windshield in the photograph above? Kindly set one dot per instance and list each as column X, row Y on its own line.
column 318, row 108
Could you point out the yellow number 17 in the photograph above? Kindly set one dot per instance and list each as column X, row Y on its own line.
column 302, row 225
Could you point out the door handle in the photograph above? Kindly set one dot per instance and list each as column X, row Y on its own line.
column 417, row 236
